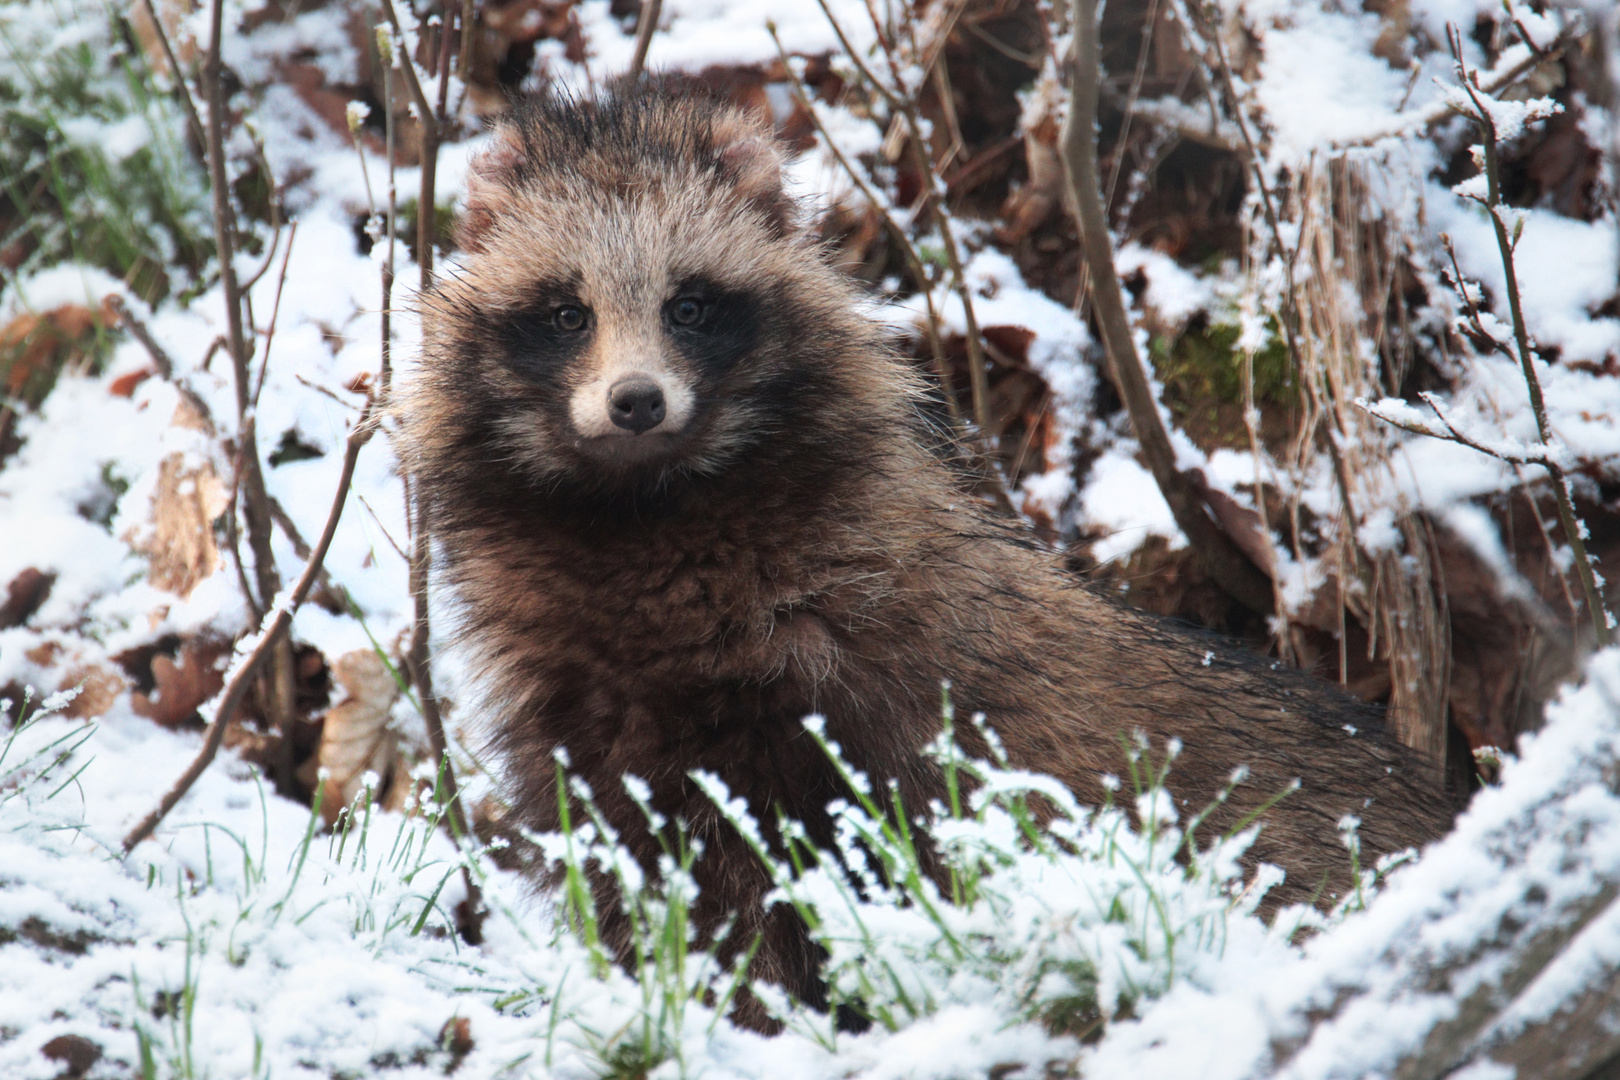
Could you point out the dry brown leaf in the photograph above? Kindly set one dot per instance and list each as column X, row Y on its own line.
column 355, row 738
column 179, row 545
column 124, row 385
column 35, row 346
column 184, row 682
column 99, row 685
column 24, row 596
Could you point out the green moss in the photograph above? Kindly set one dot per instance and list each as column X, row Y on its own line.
column 444, row 225
column 1204, row 364
column 1202, row 373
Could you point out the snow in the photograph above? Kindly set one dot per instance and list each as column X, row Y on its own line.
column 1320, row 83
column 1121, row 497
column 1551, row 827
column 306, row 962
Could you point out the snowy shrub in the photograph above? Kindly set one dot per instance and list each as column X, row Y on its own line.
column 1064, row 915
column 1041, row 910
column 32, row 754
column 670, row 974
column 98, row 170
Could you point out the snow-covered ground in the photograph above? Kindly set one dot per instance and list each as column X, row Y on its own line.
column 247, row 940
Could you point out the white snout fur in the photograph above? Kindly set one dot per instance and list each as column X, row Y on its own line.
column 588, row 408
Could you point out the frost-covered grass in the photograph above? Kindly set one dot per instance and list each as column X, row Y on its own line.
column 248, row 940
column 253, row 942
column 1046, row 911
column 97, row 167
column 261, row 944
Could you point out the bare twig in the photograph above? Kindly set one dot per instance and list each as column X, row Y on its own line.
column 1149, row 25
column 464, row 51
column 256, row 514
column 1513, row 65
column 387, row 374
column 419, row 658
column 181, row 89
column 161, row 361
column 934, row 198
column 645, row 28
column 428, row 119
column 991, row 479
column 1290, row 302
column 1002, row 47
column 271, row 636
column 139, row 331
column 914, row 261
column 1574, row 528
column 1218, row 555
column 275, row 232
column 275, row 314
column 213, row 350
column 871, row 80
column 404, row 558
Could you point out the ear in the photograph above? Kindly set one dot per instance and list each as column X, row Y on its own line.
column 489, row 183
column 753, row 161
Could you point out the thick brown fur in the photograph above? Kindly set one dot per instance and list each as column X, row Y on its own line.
column 797, row 547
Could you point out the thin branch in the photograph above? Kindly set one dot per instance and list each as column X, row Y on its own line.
column 275, row 226
column 424, row 111
column 1474, row 320
column 249, row 479
column 214, row 346
column 855, row 58
column 934, row 198
column 275, row 314
column 404, row 558
column 1513, row 65
column 139, row 331
column 914, row 261
column 464, row 53
column 1290, row 302
column 279, row 688
column 387, row 371
column 233, row 534
column 230, row 699
column 1149, row 24
column 419, row 659
column 986, row 469
column 1218, row 555
column 1574, row 528
column 193, row 118
column 645, row 28
column 1449, row 431
column 1027, row 59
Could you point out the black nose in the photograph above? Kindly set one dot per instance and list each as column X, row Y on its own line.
column 636, row 404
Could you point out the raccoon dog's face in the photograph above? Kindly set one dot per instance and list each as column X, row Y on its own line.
column 636, row 302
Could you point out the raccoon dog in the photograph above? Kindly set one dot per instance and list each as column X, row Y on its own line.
column 685, row 496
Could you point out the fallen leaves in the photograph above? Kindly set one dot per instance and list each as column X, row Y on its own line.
column 182, row 683
column 98, row 684
column 25, row 595
column 355, row 736
column 179, row 545
column 36, row 345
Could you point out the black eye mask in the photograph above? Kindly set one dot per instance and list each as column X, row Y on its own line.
column 712, row 328
column 547, row 333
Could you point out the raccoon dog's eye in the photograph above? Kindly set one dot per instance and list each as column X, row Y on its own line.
column 687, row 311
column 569, row 317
